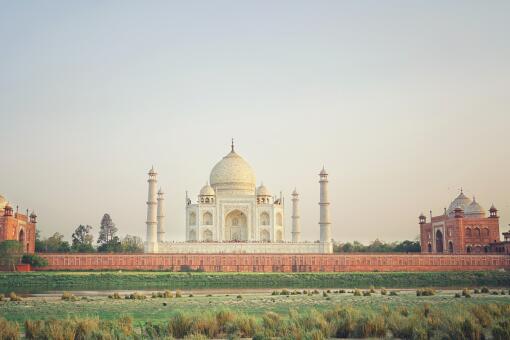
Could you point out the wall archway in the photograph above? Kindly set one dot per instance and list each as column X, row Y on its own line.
column 192, row 218
column 192, row 235
column 236, row 226
column 264, row 236
column 279, row 219
column 279, row 236
column 439, row 241
column 207, row 218
column 207, row 235
column 450, row 247
column 429, row 248
column 264, row 218
column 21, row 239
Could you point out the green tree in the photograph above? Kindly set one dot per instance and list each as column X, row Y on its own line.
column 56, row 244
column 34, row 260
column 82, row 239
column 107, row 230
column 132, row 244
column 10, row 254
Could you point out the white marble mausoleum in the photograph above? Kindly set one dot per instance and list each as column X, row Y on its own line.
column 233, row 215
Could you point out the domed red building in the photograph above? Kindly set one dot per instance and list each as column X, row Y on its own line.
column 463, row 228
column 16, row 226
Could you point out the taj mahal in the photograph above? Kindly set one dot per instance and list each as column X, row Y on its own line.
column 233, row 215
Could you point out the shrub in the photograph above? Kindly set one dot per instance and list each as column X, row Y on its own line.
column 476, row 291
column 239, row 297
column 178, row 293
column 179, row 325
column 371, row 326
column 402, row 310
column 34, row 260
column 116, row 296
column 14, row 297
column 66, row 296
column 2, row 297
column 393, row 293
column 494, row 293
column 324, row 294
column 367, row 293
column 274, row 292
column 425, row 292
column 485, row 290
column 372, row 289
column 384, row 291
column 272, row 323
column 9, row 330
column 482, row 315
column 191, row 295
column 341, row 291
column 457, row 295
column 357, row 292
column 284, row 292
column 136, row 296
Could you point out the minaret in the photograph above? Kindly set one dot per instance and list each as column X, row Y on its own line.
column 296, row 225
column 151, row 245
column 325, row 225
column 161, row 216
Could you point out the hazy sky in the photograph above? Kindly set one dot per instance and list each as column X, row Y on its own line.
column 404, row 102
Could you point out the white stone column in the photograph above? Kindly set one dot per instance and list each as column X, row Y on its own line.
column 325, row 224
column 161, row 216
column 296, row 223
column 151, row 245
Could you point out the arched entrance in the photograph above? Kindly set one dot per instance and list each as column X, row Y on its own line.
column 439, row 241
column 264, row 236
column 279, row 236
column 192, row 235
column 207, row 235
column 429, row 248
column 21, row 239
column 236, row 226
column 450, row 247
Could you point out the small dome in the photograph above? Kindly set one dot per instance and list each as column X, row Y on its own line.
column 207, row 190
column 3, row 202
column 474, row 209
column 233, row 173
column 263, row 191
column 462, row 202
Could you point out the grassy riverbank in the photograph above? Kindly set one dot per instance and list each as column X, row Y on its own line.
column 325, row 313
column 45, row 281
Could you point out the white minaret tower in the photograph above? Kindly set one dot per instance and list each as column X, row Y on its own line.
column 161, row 216
column 325, row 225
column 151, row 244
column 296, row 223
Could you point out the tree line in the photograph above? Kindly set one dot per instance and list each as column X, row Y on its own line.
column 82, row 240
column 378, row 246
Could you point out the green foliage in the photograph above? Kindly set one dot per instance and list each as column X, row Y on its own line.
column 14, row 297
column 108, row 241
column 34, row 260
column 53, row 244
column 132, row 244
column 425, row 292
column 115, row 280
column 378, row 246
column 82, row 239
column 10, row 254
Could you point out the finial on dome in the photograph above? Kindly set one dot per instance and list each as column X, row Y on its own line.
column 461, row 191
column 232, row 145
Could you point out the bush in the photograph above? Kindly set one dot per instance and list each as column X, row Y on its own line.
column 384, row 291
column 357, row 292
column 372, row 289
column 14, row 297
column 367, row 293
column 457, row 295
column 425, row 292
column 66, row 296
column 284, row 292
column 324, row 294
column 371, row 326
column 341, row 291
column 178, row 293
column 393, row 293
column 2, row 297
column 239, row 297
column 485, row 290
column 476, row 291
column 34, row 260
column 136, row 296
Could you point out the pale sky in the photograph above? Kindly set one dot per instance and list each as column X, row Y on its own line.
column 404, row 102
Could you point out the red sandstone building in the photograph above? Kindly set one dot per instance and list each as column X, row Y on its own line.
column 464, row 228
column 16, row 226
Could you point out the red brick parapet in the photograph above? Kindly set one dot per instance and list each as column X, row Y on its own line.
column 276, row 262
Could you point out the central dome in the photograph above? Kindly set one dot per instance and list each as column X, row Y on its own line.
column 233, row 173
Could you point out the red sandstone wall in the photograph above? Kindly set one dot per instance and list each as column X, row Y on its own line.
column 277, row 262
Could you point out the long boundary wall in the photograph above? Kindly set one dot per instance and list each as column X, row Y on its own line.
column 276, row 262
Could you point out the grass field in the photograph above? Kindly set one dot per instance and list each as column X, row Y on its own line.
column 48, row 281
column 255, row 304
